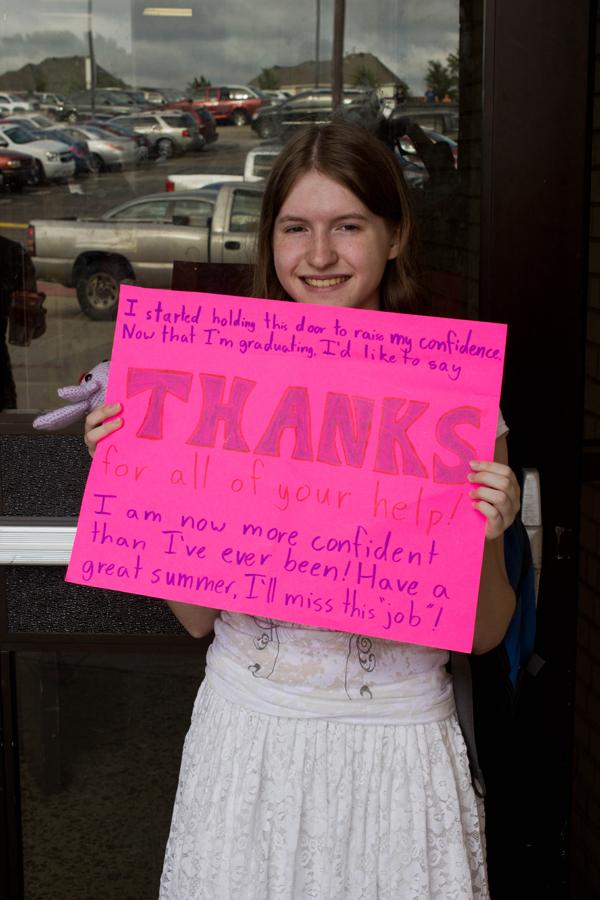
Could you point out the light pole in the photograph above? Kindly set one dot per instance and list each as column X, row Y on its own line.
column 92, row 59
column 317, row 43
column 337, row 63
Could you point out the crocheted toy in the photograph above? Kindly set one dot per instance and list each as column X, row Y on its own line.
column 82, row 398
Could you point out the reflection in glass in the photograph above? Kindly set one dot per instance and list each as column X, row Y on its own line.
column 178, row 107
column 99, row 744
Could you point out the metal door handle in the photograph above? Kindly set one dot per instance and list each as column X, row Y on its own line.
column 232, row 245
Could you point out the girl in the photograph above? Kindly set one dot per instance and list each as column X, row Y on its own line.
column 298, row 780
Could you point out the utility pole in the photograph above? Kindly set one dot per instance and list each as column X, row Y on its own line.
column 92, row 58
column 337, row 62
column 317, row 44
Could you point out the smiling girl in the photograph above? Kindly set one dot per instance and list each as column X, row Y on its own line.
column 296, row 781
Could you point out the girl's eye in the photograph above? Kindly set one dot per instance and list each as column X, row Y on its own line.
column 349, row 226
column 293, row 229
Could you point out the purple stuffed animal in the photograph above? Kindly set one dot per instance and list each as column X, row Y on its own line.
column 82, row 398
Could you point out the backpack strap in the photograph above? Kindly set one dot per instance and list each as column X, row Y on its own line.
column 463, row 698
column 517, row 645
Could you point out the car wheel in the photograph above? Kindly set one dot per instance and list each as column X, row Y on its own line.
column 165, row 148
column 72, row 117
column 38, row 176
column 264, row 130
column 98, row 289
column 96, row 163
column 239, row 117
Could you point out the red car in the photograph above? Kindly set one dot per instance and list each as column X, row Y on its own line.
column 15, row 169
column 204, row 120
column 230, row 103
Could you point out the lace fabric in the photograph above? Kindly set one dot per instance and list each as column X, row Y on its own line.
column 280, row 808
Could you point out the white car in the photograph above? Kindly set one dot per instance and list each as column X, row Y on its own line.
column 53, row 160
column 257, row 167
column 14, row 104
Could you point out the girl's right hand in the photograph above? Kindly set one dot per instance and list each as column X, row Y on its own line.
column 97, row 428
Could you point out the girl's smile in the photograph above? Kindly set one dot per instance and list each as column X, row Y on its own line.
column 328, row 247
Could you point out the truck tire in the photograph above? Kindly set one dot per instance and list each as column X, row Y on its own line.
column 98, row 289
column 239, row 117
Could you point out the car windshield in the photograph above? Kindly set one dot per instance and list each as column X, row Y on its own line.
column 20, row 135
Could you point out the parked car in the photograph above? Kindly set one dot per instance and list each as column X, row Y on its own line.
column 311, row 107
column 79, row 106
column 140, row 140
column 276, row 96
column 138, row 241
column 107, row 151
column 52, row 160
column 230, row 103
column 154, row 96
column 16, row 169
column 442, row 120
column 169, row 131
column 256, row 167
column 205, row 121
column 13, row 103
column 409, row 149
column 49, row 103
column 79, row 148
column 33, row 120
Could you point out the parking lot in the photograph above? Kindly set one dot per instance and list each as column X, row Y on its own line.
column 94, row 194
column 72, row 342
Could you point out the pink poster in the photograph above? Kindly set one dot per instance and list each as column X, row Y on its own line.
column 299, row 463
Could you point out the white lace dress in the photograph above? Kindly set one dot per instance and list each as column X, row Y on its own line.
column 323, row 765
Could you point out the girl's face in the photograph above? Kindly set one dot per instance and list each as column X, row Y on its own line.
column 328, row 247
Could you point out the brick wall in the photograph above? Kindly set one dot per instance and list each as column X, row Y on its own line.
column 585, row 839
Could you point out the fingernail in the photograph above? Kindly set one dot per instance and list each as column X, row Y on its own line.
column 117, row 422
column 115, row 407
column 474, row 464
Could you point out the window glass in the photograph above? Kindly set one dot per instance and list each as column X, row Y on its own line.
column 175, row 121
column 154, row 211
column 197, row 212
column 245, row 211
column 113, row 755
column 18, row 134
column 403, row 60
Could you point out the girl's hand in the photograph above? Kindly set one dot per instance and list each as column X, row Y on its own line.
column 497, row 496
column 97, row 428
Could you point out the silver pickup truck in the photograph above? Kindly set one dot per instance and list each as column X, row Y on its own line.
column 138, row 241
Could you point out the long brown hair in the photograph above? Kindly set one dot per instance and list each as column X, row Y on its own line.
column 363, row 164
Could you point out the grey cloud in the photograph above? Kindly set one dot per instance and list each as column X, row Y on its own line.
column 231, row 40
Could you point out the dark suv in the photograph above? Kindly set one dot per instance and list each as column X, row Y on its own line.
column 114, row 103
column 312, row 107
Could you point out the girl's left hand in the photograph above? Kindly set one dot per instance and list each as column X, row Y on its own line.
column 497, row 495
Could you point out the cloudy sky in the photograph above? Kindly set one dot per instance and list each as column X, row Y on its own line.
column 225, row 40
